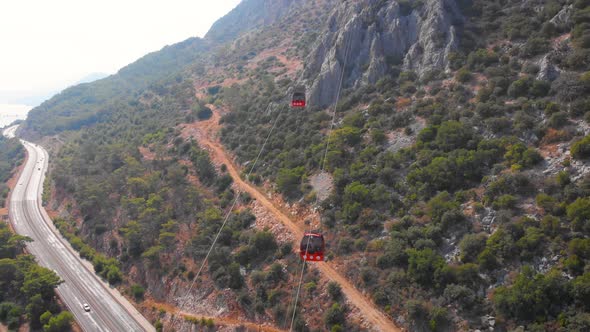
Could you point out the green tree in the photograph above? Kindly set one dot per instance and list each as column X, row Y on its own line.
column 137, row 291
column 334, row 315
column 581, row 290
column 40, row 281
column 579, row 213
column 289, row 180
column 453, row 135
column 532, row 295
column 471, row 246
column 423, row 265
column 59, row 323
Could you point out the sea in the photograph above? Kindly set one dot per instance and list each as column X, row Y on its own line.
column 12, row 112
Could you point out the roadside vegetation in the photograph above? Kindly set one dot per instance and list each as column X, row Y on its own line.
column 12, row 154
column 27, row 290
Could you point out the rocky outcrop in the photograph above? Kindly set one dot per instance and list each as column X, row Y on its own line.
column 376, row 35
column 547, row 71
column 563, row 17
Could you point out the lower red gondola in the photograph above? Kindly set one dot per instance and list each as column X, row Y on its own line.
column 312, row 247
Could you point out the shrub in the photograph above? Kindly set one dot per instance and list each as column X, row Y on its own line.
column 518, row 154
column 334, row 290
column 579, row 213
column 532, row 295
column 558, row 119
column 461, row 296
column 471, row 246
column 505, row 202
column 453, row 135
column 288, row 181
column 581, row 290
column 463, row 75
column 423, row 264
column 519, row 88
column 540, row 88
column 535, row 46
column 546, row 202
column 137, row 291
column 481, row 59
column 334, row 315
column 204, row 113
column 581, row 149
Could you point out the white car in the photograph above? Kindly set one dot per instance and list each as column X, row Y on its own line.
column 86, row 307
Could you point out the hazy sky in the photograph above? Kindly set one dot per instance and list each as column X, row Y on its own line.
column 47, row 45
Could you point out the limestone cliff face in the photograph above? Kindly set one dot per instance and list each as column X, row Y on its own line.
column 372, row 35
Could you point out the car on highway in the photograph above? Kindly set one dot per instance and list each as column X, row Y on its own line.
column 86, row 307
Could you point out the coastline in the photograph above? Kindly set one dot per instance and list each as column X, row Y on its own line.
column 12, row 112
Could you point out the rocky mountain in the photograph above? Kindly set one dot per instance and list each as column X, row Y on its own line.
column 374, row 35
column 452, row 187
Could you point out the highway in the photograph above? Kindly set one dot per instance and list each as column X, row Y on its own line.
column 109, row 310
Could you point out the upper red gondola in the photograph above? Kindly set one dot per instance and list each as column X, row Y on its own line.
column 298, row 98
column 312, row 247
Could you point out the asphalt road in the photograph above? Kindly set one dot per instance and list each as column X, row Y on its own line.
column 109, row 311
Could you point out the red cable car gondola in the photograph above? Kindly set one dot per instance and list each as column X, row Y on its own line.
column 312, row 247
column 298, row 98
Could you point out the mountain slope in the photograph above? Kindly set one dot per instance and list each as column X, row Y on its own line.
column 84, row 104
column 454, row 179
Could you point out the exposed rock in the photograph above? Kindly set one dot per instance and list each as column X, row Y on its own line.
column 544, row 264
column 436, row 39
column 487, row 219
column 451, row 249
column 488, row 321
column 322, row 184
column 547, row 71
column 398, row 139
column 374, row 34
column 563, row 18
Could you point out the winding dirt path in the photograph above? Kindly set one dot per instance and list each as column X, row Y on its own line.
column 206, row 135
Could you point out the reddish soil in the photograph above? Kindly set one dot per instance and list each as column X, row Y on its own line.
column 549, row 151
column 206, row 134
column 146, row 153
column 230, row 321
column 559, row 39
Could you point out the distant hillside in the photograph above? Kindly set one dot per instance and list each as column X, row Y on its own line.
column 91, row 78
column 249, row 14
column 81, row 105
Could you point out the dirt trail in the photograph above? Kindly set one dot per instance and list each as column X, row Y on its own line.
column 224, row 321
column 206, row 135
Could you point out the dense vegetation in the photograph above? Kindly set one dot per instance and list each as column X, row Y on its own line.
column 134, row 205
column 27, row 289
column 11, row 155
column 457, row 204
column 87, row 104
